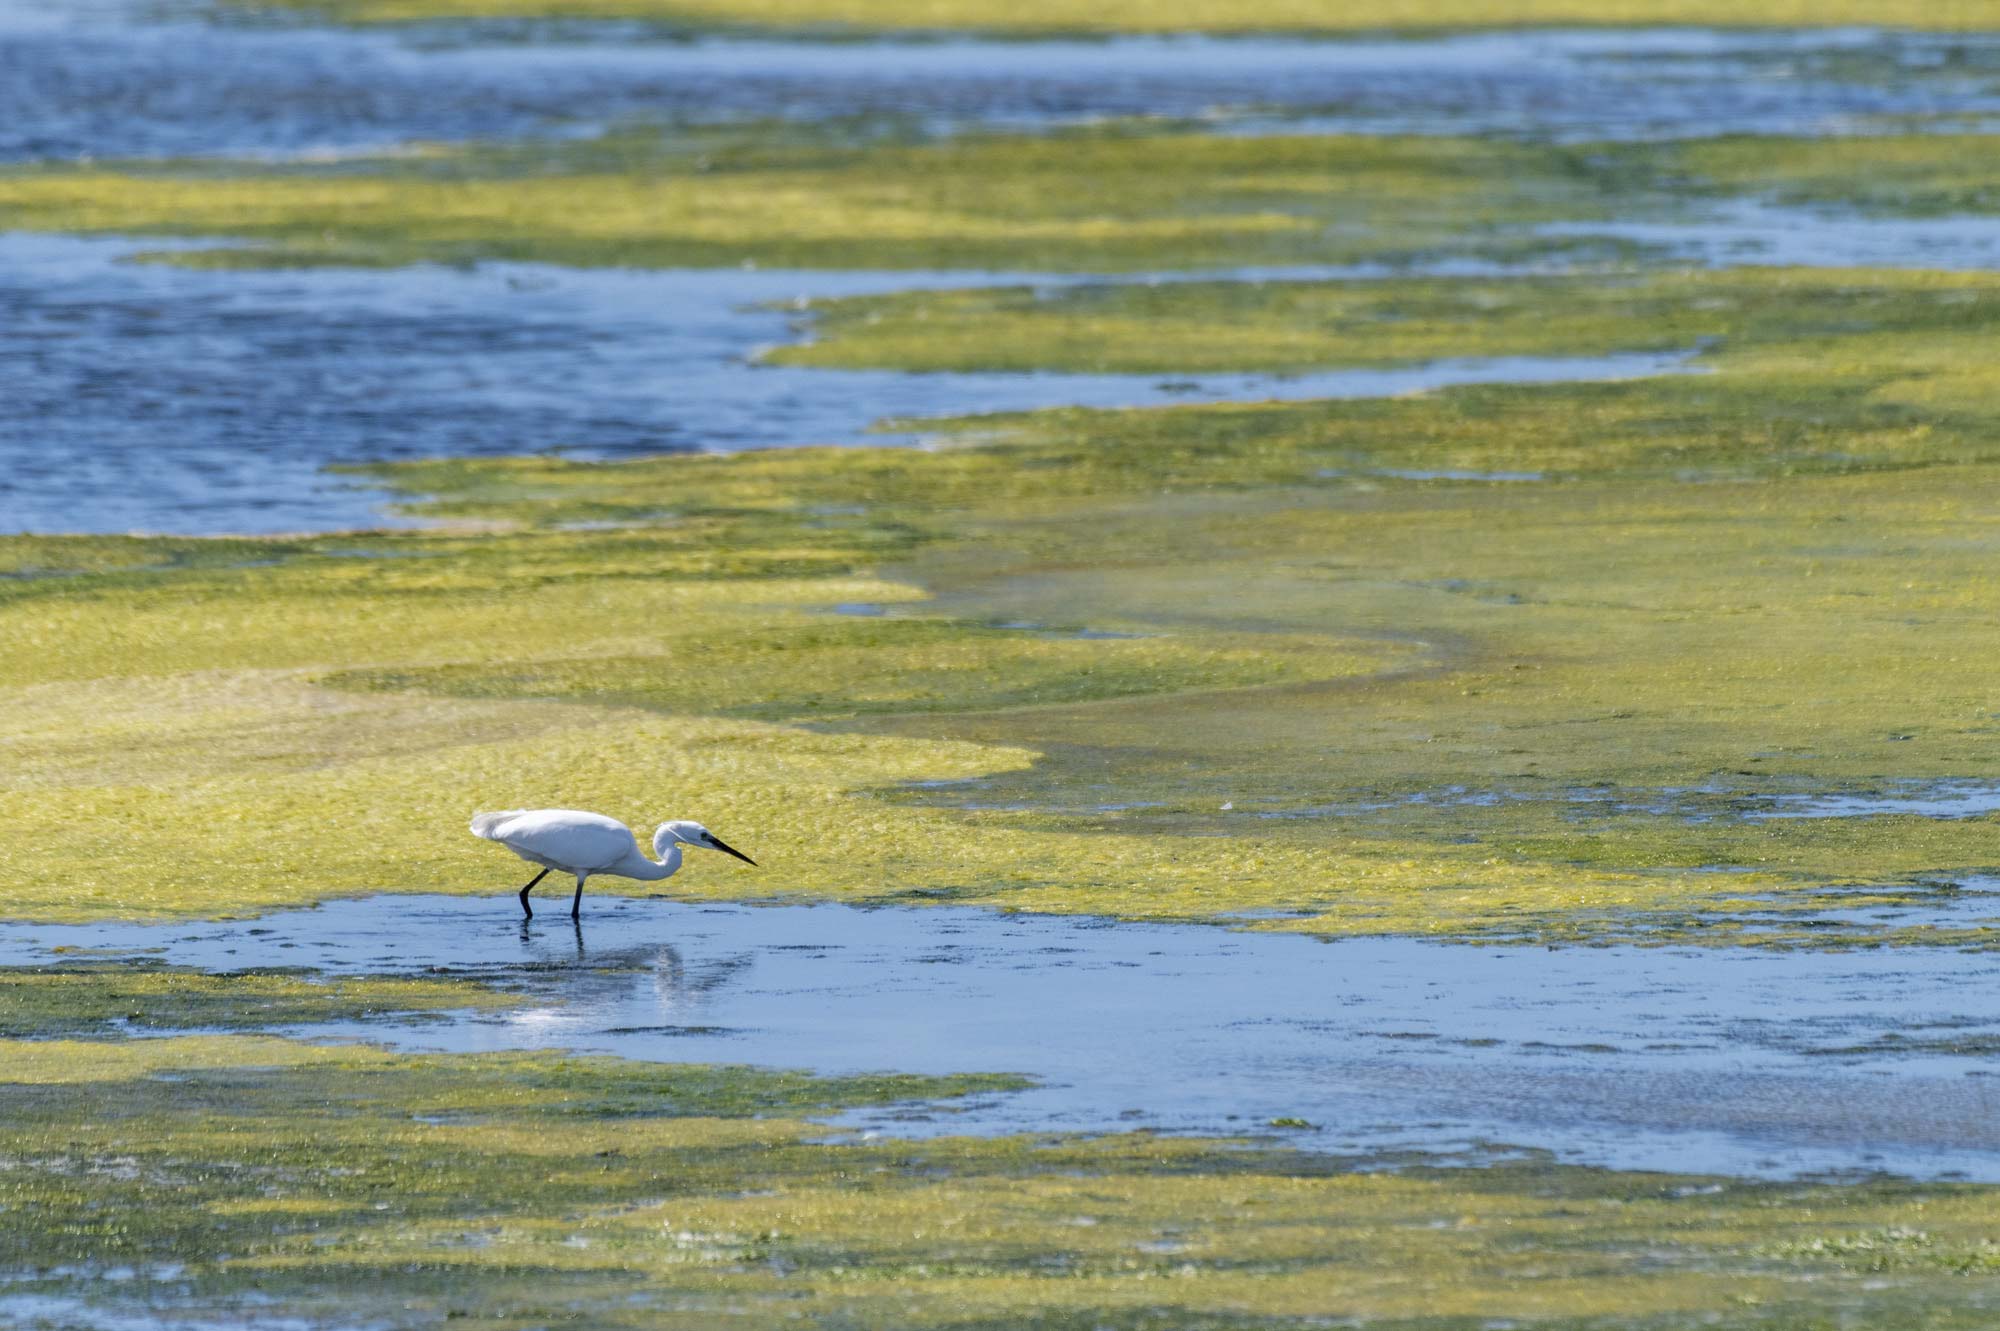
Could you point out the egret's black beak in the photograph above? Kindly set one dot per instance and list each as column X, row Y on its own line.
column 716, row 843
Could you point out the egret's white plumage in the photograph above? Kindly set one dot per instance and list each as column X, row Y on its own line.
column 583, row 843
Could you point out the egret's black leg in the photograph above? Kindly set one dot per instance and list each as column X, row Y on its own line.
column 576, row 902
column 526, row 909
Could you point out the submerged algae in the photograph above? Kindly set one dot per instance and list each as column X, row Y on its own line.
column 109, row 996
column 491, row 1188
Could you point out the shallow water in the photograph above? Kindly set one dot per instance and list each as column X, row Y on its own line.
column 1924, row 799
column 101, row 79
column 70, row 1313
column 1749, row 231
column 155, row 398
column 1744, row 1062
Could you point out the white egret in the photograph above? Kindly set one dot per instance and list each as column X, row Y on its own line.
column 587, row 843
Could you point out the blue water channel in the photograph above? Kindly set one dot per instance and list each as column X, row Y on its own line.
column 1743, row 1061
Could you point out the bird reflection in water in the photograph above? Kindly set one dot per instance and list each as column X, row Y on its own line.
column 601, row 982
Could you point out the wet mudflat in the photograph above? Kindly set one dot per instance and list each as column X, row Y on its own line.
column 1748, row 1062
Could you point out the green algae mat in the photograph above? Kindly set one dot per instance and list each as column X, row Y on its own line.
column 1419, row 665
column 231, row 1176
column 1123, row 197
column 1139, row 195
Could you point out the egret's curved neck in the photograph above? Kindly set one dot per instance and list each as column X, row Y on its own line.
column 647, row 871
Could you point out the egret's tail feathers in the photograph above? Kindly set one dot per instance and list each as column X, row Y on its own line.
column 488, row 824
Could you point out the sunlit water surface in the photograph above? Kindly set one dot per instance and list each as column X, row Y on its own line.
column 1745, row 1062
column 156, row 398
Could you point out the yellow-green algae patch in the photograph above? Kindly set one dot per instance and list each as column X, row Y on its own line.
column 868, row 666
column 1438, row 706
column 1293, row 16
column 1199, row 327
column 508, row 1190
column 1123, row 199
column 98, row 997
column 384, row 812
column 1560, row 631
column 1601, row 649
column 31, row 558
column 1178, row 663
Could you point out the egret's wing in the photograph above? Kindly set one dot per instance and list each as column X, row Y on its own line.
column 570, row 838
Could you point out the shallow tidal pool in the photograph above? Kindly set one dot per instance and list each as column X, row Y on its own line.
column 1753, row 1063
